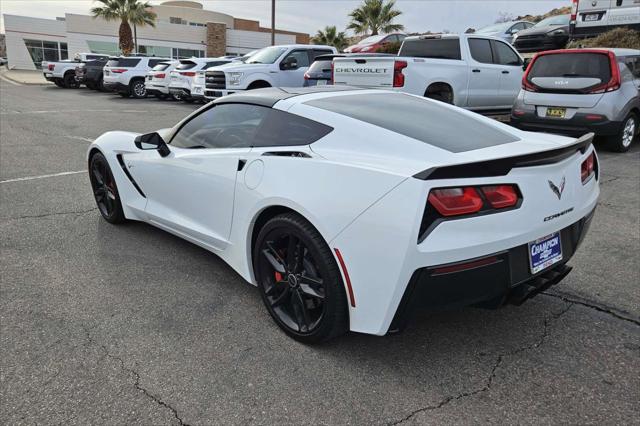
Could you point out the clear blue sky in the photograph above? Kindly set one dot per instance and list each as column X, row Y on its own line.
column 310, row 15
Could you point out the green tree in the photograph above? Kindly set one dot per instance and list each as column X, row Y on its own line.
column 127, row 12
column 330, row 37
column 375, row 16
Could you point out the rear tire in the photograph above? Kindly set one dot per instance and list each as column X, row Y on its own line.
column 70, row 81
column 58, row 82
column 299, row 280
column 628, row 134
column 137, row 89
column 105, row 190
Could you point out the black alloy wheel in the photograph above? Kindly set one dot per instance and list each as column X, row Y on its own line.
column 70, row 82
column 299, row 280
column 105, row 190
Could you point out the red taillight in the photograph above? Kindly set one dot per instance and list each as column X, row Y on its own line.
column 614, row 82
column 574, row 10
column 51, row 67
column 500, row 196
column 587, row 168
column 188, row 73
column 160, row 75
column 455, row 201
column 398, row 77
column 118, row 70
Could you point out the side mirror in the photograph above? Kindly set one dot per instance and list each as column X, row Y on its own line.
column 289, row 63
column 153, row 141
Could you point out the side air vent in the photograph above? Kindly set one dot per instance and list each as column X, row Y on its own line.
column 126, row 172
column 287, row 154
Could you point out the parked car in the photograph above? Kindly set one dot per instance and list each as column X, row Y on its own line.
column 505, row 30
column 577, row 91
column 3, row 61
column 277, row 66
column 471, row 71
column 183, row 75
column 548, row 34
column 89, row 73
column 319, row 73
column 63, row 73
column 373, row 43
column 590, row 18
column 126, row 75
column 157, row 80
column 350, row 209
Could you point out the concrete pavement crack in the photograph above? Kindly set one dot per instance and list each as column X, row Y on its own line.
column 490, row 379
column 136, row 375
column 37, row 216
column 614, row 312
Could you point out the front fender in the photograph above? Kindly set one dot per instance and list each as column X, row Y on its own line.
column 256, row 77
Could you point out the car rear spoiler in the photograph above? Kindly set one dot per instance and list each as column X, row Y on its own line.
column 502, row 166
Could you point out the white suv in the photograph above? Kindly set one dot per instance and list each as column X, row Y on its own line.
column 157, row 81
column 126, row 75
column 183, row 76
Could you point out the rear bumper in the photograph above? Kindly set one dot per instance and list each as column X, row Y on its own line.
column 49, row 77
column 154, row 88
column 496, row 279
column 114, row 86
column 576, row 126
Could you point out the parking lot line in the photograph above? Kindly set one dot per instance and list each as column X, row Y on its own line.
column 42, row 176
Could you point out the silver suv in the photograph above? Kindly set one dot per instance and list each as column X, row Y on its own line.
column 576, row 91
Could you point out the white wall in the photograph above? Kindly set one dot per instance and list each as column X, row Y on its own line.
column 239, row 41
column 18, row 28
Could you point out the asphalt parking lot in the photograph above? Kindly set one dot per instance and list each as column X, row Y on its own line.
column 103, row 324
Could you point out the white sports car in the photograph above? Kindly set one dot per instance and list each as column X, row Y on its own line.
column 351, row 208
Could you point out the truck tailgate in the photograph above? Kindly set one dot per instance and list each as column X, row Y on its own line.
column 364, row 72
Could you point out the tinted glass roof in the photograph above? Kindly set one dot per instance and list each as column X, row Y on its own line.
column 417, row 118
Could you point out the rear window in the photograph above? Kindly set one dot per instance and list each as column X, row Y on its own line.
column 585, row 65
column 321, row 66
column 123, row 62
column 417, row 118
column 432, row 48
column 185, row 65
column 284, row 129
column 160, row 67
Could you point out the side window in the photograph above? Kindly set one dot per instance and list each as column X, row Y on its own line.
column 223, row 126
column 392, row 39
column 481, row 50
column 281, row 128
column 302, row 57
column 633, row 63
column 154, row 62
column 517, row 27
column 506, row 55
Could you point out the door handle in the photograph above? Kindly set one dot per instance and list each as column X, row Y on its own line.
column 475, row 70
column 505, row 72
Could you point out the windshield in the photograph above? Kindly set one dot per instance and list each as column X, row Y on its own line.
column 554, row 20
column 268, row 55
column 497, row 28
column 372, row 39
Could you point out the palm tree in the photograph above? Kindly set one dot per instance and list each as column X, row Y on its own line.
column 127, row 12
column 375, row 16
column 331, row 37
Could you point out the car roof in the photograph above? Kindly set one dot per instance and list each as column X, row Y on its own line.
column 270, row 96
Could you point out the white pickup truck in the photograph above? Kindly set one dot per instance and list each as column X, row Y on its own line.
column 63, row 73
column 277, row 66
column 470, row 71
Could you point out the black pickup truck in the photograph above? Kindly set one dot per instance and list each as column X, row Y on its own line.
column 89, row 73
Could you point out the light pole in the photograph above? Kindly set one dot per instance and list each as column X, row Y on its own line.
column 273, row 22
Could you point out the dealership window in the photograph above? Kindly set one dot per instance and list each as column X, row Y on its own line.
column 104, row 47
column 159, row 51
column 186, row 53
column 174, row 20
column 42, row 50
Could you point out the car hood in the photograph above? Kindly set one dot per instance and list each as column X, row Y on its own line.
column 241, row 67
column 542, row 30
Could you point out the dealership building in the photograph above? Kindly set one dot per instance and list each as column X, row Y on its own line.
column 183, row 29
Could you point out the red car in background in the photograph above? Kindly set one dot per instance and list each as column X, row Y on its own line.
column 373, row 43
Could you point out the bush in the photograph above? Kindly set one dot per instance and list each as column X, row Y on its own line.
column 390, row 48
column 619, row 37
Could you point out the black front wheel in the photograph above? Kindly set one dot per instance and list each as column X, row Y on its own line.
column 105, row 190
column 299, row 280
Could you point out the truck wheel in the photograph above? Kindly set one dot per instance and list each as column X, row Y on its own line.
column 70, row 81
column 90, row 86
column 58, row 82
column 100, row 85
column 137, row 89
column 628, row 133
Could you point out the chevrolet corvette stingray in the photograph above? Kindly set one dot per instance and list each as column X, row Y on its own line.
column 349, row 209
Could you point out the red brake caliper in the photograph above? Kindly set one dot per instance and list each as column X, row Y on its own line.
column 278, row 277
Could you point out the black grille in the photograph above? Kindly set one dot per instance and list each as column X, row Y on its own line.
column 215, row 80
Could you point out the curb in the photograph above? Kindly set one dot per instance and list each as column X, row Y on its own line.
column 7, row 75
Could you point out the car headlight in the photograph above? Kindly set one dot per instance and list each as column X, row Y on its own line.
column 234, row 78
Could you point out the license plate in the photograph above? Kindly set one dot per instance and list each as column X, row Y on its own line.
column 592, row 17
column 545, row 252
column 322, row 82
column 556, row 112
